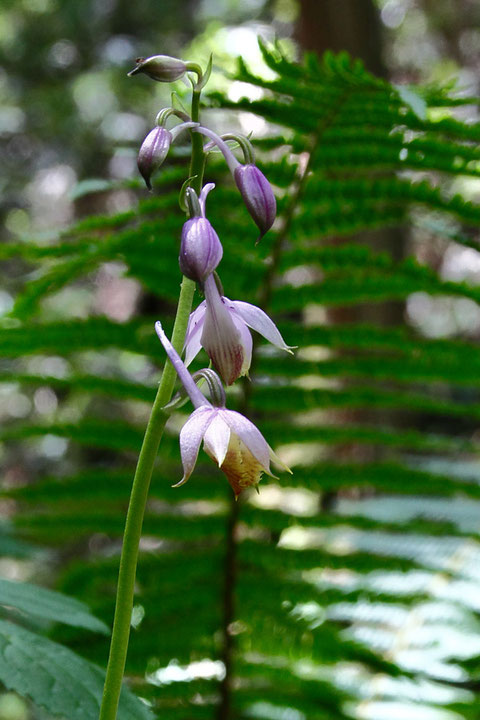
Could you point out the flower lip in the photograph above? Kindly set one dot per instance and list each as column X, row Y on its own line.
column 234, row 443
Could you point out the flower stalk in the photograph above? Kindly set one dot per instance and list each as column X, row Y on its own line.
column 143, row 474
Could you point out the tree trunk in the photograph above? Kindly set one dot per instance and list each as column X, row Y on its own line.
column 352, row 25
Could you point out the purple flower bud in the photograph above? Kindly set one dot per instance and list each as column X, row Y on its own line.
column 162, row 68
column 257, row 195
column 200, row 249
column 153, row 152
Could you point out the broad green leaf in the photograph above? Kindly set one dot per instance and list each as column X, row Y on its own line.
column 49, row 605
column 57, row 679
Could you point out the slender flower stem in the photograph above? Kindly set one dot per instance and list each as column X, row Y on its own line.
column 230, row 158
column 143, row 475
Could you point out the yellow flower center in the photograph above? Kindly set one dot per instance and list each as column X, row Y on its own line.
column 240, row 466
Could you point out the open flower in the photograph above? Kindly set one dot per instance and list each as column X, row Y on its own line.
column 230, row 439
column 220, row 326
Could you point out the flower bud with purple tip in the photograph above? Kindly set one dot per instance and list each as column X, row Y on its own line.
column 257, row 195
column 200, row 248
column 162, row 68
column 153, row 152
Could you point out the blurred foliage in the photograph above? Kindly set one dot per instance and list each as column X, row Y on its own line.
column 350, row 588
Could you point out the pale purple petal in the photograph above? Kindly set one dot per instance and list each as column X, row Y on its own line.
column 194, row 333
column 196, row 396
column 259, row 321
column 249, row 435
column 203, row 196
column 220, row 336
column 246, row 341
column 191, row 436
column 216, row 439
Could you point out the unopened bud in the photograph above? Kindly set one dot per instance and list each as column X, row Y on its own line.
column 153, row 152
column 200, row 249
column 257, row 195
column 162, row 68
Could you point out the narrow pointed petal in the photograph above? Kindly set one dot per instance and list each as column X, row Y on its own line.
column 278, row 462
column 194, row 333
column 203, row 196
column 216, row 439
column 250, row 435
column 195, row 395
column 258, row 320
column 191, row 436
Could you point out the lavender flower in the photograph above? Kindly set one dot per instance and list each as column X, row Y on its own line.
column 220, row 326
column 153, row 152
column 229, row 438
column 200, row 248
column 156, row 145
column 257, row 195
column 254, row 187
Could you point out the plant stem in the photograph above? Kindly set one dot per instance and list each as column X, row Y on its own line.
column 135, row 513
column 143, row 475
column 197, row 163
column 230, row 580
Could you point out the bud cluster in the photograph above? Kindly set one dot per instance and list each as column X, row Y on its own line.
column 220, row 326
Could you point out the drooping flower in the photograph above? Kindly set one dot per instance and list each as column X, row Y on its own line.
column 153, row 152
column 220, row 326
column 200, row 247
column 257, row 195
column 154, row 149
column 230, row 439
column 254, row 187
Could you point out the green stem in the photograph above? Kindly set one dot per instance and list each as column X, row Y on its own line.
column 136, row 511
column 143, row 475
column 197, row 163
